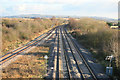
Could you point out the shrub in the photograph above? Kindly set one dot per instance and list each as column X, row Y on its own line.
column 97, row 35
column 15, row 29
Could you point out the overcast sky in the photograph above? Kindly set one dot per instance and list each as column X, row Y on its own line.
column 99, row 8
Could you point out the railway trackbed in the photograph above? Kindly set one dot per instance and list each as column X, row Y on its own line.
column 67, row 60
column 11, row 56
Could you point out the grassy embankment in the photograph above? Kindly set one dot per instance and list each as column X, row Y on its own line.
column 16, row 32
column 98, row 38
column 30, row 65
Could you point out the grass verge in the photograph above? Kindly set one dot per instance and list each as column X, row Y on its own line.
column 30, row 65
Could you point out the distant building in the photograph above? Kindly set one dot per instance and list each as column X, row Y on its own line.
column 114, row 27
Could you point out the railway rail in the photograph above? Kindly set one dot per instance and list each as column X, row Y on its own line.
column 66, row 60
column 27, row 46
column 85, row 68
column 82, row 65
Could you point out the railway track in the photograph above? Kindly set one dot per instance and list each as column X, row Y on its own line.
column 82, row 65
column 66, row 61
column 85, row 69
column 38, row 40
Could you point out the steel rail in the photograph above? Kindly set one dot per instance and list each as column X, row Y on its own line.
column 83, row 58
column 20, row 50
